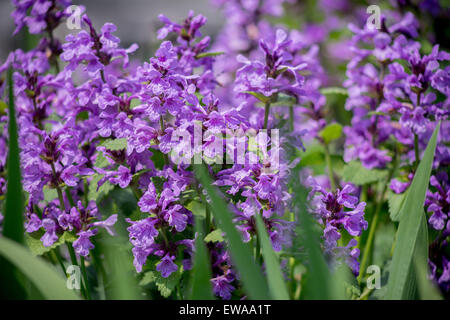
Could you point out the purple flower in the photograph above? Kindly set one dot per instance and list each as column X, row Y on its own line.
column 166, row 266
column 49, row 237
column 222, row 287
column 83, row 244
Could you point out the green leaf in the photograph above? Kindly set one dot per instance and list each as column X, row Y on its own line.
column 317, row 285
column 197, row 208
column 396, row 202
column 334, row 90
column 209, row 54
column 13, row 220
column 101, row 161
column 115, row 144
column 408, row 234
column 331, row 132
column 42, row 274
column 215, row 236
column 274, row 275
column 259, row 96
column 134, row 103
column 3, row 107
column 165, row 285
column 201, row 271
column 49, row 193
column 37, row 248
column 104, row 189
column 253, row 280
column 355, row 172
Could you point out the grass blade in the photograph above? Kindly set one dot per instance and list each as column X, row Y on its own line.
column 253, row 280
column 275, row 279
column 42, row 275
column 408, row 237
column 201, row 282
column 13, row 221
column 317, row 286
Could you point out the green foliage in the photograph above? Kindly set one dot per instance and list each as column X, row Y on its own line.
column 396, row 202
column 37, row 248
column 13, row 221
column 275, row 279
column 259, row 96
column 334, row 90
column 115, row 144
column 317, row 285
column 355, row 172
column 253, row 281
column 39, row 272
column 215, row 236
column 209, row 54
column 165, row 285
column 197, row 208
column 103, row 190
column 331, row 132
column 201, row 271
column 410, row 238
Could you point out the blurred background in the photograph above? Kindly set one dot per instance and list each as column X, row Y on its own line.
column 136, row 20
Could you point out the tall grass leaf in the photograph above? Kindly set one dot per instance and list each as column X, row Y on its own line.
column 12, row 281
column 253, row 280
column 408, row 236
column 13, row 221
column 201, row 283
column 46, row 279
column 317, row 285
column 425, row 288
column 275, row 279
column 122, row 283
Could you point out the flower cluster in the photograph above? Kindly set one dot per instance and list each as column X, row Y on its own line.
column 95, row 128
column 329, row 208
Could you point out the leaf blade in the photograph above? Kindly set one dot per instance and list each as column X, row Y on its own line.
column 410, row 224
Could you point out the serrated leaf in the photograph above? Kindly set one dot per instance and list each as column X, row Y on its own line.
column 409, row 231
column 115, row 144
column 331, row 132
column 209, row 54
column 165, row 285
column 395, row 203
column 37, row 248
column 334, row 90
column 355, row 172
column 101, row 161
column 215, row 236
column 104, row 189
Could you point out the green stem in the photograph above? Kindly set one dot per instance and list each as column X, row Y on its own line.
column 58, row 258
column 330, row 168
column 266, row 114
column 373, row 226
column 73, row 259
column 85, row 279
column 291, row 118
column 416, row 151
column 58, row 189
